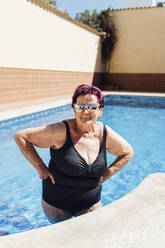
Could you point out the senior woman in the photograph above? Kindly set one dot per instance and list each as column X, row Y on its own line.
column 72, row 183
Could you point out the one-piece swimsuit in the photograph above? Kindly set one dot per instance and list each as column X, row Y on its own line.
column 77, row 184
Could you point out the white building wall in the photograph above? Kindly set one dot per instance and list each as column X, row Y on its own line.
column 138, row 3
column 142, row 3
column 32, row 37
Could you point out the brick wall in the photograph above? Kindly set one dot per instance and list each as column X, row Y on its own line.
column 18, row 85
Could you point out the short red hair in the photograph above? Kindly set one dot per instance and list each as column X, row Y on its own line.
column 84, row 89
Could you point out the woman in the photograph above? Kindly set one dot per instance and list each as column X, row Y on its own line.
column 72, row 183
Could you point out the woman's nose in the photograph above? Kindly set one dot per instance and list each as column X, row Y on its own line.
column 85, row 109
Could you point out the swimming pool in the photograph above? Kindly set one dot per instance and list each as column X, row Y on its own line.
column 140, row 120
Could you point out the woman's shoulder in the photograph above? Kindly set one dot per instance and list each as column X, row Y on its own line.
column 110, row 131
column 55, row 126
column 101, row 126
column 58, row 125
column 61, row 125
column 58, row 133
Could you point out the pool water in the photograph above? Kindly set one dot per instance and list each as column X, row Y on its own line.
column 140, row 121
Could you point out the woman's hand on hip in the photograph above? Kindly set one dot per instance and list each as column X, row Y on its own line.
column 44, row 172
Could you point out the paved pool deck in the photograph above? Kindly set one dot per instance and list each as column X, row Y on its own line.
column 12, row 110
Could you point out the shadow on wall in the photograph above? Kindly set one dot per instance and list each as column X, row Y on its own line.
column 97, row 79
column 109, row 37
column 139, row 57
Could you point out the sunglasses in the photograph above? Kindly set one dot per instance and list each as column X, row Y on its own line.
column 91, row 107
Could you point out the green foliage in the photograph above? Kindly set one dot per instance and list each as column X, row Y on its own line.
column 66, row 12
column 88, row 19
column 103, row 23
column 52, row 3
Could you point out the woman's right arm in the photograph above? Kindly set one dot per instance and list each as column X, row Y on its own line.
column 42, row 137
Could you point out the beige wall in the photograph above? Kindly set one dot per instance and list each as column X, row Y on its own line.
column 35, row 38
column 36, row 42
column 141, row 45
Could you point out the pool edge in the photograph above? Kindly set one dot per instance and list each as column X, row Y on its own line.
column 14, row 113
column 135, row 220
column 7, row 115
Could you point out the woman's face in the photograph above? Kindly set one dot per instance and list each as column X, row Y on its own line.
column 90, row 110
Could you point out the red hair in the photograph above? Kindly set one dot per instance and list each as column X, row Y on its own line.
column 84, row 89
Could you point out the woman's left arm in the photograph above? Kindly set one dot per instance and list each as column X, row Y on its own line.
column 119, row 147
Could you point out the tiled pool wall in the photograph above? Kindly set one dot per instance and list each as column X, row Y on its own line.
column 134, row 101
column 33, row 115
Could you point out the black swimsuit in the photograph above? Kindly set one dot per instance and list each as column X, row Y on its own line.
column 77, row 184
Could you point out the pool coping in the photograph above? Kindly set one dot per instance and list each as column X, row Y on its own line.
column 135, row 220
column 37, row 107
column 6, row 115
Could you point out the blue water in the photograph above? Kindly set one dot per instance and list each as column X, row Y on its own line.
column 140, row 120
